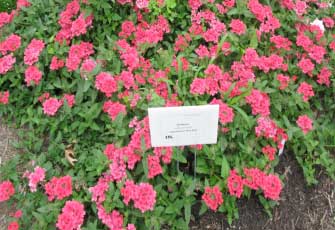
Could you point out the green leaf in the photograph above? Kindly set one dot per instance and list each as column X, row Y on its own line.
column 178, row 156
column 253, row 39
column 224, row 167
column 187, row 212
column 203, row 208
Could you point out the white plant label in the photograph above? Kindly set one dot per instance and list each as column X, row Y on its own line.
column 183, row 125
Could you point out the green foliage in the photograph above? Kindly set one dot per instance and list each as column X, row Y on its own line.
column 89, row 129
column 7, row 5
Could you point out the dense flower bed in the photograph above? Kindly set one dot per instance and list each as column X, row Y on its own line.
column 80, row 76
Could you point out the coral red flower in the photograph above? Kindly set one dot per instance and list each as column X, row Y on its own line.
column 18, row 214
column 59, row 188
column 212, row 197
column 271, row 187
column 72, row 216
column 270, row 152
column 143, row 195
column 254, row 178
column 305, row 123
column 259, row 102
column 6, row 190
column 13, row 226
column 235, row 184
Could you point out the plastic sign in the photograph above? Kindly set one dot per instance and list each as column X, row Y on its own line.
column 183, row 125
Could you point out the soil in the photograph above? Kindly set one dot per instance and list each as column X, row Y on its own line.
column 7, row 151
column 300, row 207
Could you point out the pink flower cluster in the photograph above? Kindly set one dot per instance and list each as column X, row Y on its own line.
column 71, row 28
column 165, row 153
column 56, row 63
column 143, row 195
column 254, row 179
column 323, row 76
column 70, row 100
column 144, row 32
column 306, row 66
column 32, row 75
column 59, row 188
column 120, row 157
column 128, row 54
column 269, row 23
column 72, row 216
column 7, row 190
column 6, row 63
column 284, row 81
column 4, row 97
column 35, row 177
column 237, row 26
column 215, row 82
column 6, row 18
column 113, row 109
column 154, row 167
column 306, row 90
column 305, row 123
column 51, row 106
column 281, row 42
column 235, row 184
column 87, row 66
column 259, row 102
column 270, row 152
column 13, row 226
column 268, row 128
column 11, row 44
column 77, row 54
column 212, row 197
column 226, row 114
column 113, row 220
column 33, row 51
column 105, row 83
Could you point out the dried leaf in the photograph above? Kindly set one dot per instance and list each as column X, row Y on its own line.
column 69, row 155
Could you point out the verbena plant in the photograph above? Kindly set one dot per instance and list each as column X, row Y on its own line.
column 78, row 78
